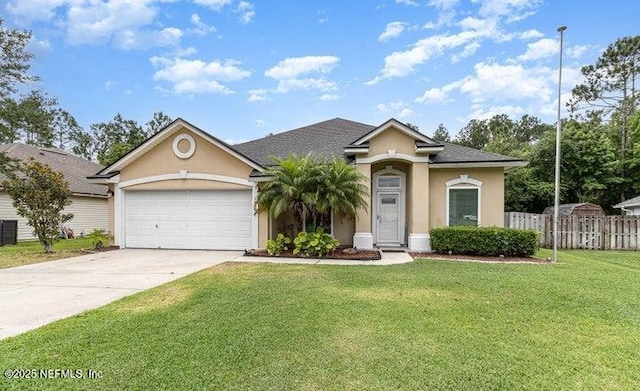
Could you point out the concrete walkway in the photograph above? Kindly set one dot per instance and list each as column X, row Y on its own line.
column 34, row 295
column 388, row 258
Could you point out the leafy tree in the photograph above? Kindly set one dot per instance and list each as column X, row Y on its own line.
column 114, row 139
column 588, row 163
column 14, row 60
column 442, row 134
column 610, row 88
column 158, row 122
column 412, row 126
column 40, row 194
column 65, row 127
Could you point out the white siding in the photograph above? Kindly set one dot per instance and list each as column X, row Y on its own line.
column 89, row 213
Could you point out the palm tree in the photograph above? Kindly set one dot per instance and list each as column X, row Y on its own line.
column 309, row 187
column 342, row 189
column 292, row 187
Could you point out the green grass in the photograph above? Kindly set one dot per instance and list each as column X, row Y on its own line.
column 426, row 325
column 28, row 252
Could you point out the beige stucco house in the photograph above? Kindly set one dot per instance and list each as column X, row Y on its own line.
column 184, row 188
column 89, row 203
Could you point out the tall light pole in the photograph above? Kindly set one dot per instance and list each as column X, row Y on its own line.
column 556, row 204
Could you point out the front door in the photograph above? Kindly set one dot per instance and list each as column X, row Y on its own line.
column 388, row 218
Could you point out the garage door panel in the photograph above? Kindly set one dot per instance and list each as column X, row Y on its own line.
column 189, row 219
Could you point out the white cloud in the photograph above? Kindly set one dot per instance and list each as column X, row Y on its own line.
column 109, row 84
column 443, row 4
column 542, row 48
column 469, row 50
column 398, row 109
column 215, row 5
column 34, row 9
column 330, row 97
column 196, row 76
column 403, row 63
column 296, row 66
column 531, row 34
column 245, row 9
column 260, row 123
column 487, row 25
column 304, row 73
column 258, row 95
column 392, row 30
column 511, row 111
column 512, row 8
column 201, row 28
column 578, row 50
column 432, row 95
column 124, row 23
column 412, row 3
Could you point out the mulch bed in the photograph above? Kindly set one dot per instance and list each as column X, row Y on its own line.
column 476, row 258
column 359, row 255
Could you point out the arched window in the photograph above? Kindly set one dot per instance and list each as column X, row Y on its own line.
column 463, row 201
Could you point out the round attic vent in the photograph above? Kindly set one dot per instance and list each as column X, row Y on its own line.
column 176, row 146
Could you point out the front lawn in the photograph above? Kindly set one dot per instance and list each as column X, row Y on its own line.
column 426, row 325
column 31, row 251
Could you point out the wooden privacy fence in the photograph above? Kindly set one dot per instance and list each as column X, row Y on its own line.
column 586, row 232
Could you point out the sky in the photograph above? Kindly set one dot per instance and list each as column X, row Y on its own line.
column 241, row 69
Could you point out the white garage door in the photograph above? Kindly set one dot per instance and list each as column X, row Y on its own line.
column 212, row 220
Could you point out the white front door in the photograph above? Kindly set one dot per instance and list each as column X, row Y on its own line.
column 388, row 218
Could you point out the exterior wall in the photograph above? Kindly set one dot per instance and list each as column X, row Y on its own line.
column 89, row 213
column 420, row 198
column 207, row 159
column 392, row 139
column 343, row 229
column 363, row 220
column 634, row 211
column 491, row 199
column 263, row 229
column 187, row 184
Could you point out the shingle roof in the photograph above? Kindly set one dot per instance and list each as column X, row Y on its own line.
column 454, row 153
column 329, row 138
column 74, row 168
column 630, row 202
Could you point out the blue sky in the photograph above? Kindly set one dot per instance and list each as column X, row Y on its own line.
column 240, row 69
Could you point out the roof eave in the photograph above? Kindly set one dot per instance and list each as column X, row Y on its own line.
column 508, row 164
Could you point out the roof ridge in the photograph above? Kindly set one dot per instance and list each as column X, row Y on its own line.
column 321, row 123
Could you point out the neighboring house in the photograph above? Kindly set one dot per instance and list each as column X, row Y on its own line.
column 183, row 188
column 630, row 207
column 575, row 209
column 88, row 201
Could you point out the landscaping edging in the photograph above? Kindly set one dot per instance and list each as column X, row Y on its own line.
column 338, row 254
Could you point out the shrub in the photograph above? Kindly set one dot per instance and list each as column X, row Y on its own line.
column 314, row 244
column 98, row 238
column 488, row 241
column 277, row 246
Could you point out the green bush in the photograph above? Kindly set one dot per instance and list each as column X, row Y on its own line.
column 99, row 238
column 314, row 244
column 487, row 241
column 277, row 246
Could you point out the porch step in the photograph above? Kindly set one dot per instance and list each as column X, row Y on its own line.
column 393, row 249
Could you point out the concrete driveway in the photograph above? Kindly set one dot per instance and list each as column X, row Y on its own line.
column 34, row 295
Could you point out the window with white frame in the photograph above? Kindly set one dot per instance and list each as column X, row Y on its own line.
column 463, row 201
